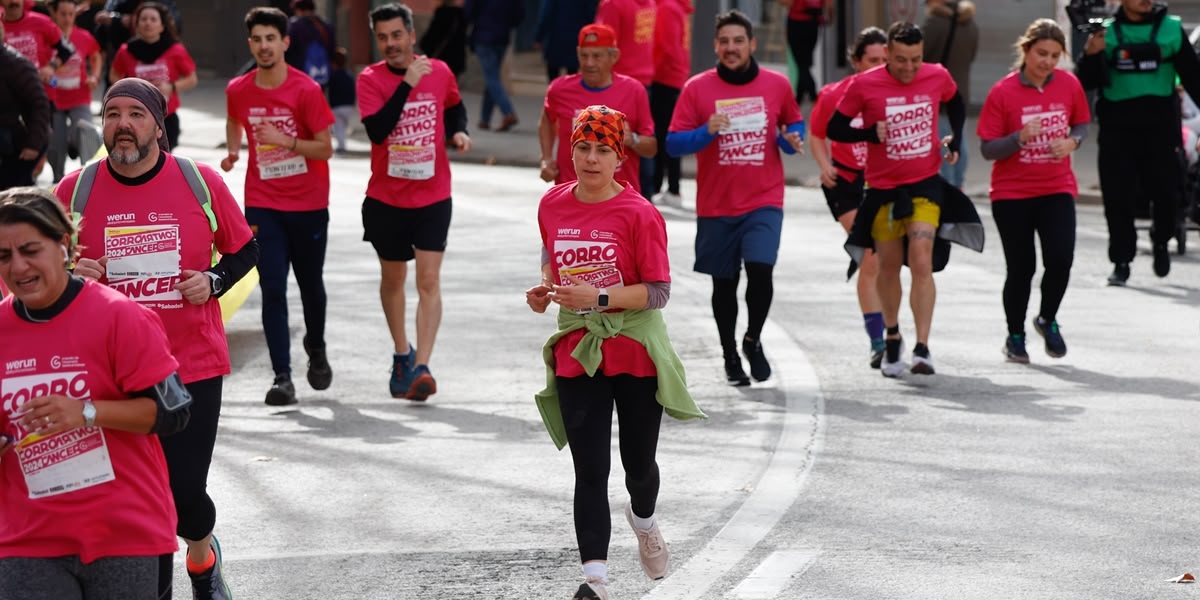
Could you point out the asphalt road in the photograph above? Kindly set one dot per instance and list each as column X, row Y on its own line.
column 1068, row 478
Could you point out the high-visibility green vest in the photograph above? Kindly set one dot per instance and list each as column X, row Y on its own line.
column 1168, row 34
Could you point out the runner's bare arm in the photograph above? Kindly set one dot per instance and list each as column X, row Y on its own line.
column 546, row 134
column 233, row 143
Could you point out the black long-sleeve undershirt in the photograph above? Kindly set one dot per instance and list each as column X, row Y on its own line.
column 233, row 267
column 956, row 111
column 840, row 130
column 381, row 124
column 455, row 119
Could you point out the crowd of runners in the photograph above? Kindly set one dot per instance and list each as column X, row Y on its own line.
column 145, row 241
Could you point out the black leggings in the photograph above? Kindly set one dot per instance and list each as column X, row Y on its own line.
column 189, row 454
column 587, row 407
column 1053, row 218
column 662, row 105
column 802, row 40
column 760, row 289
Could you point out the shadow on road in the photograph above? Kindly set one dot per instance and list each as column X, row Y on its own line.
column 1111, row 385
column 983, row 396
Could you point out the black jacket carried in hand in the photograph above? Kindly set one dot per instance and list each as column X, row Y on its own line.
column 446, row 38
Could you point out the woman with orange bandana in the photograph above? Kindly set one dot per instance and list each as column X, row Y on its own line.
column 605, row 264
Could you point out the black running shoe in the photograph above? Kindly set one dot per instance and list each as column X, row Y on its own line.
column 734, row 374
column 760, row 369
column 282, row 392
column 1162, row 260
column 1120, row 275
column 320, row 374
column 1014, row 349
column 592, row 589
column 1056, row 347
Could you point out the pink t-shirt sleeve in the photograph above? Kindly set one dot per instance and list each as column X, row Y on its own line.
column 818, row 119
column 789, row 111
column 123, row 61
column 949, row 88
column 991, row 117
column 51, row 33
column 232, row 230
column 181, row 61
column 139, row 349
column 851, row 103
column 651, row 247
column 452, row 95
column 684, row 117
column 370, row 98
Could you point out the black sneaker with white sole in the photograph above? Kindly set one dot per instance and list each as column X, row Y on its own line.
column 282, row 392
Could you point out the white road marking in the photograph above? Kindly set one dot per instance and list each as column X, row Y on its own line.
column 800, row 441
column 769, row 579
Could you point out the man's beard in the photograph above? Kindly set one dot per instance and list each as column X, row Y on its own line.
column 129, row 157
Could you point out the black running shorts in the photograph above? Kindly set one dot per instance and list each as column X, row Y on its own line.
column 397, row 232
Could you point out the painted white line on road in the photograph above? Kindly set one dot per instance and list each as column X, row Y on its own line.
column 768, row 580
column 799, row 443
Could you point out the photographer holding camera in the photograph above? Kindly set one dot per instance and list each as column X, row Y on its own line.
column 1133, row 60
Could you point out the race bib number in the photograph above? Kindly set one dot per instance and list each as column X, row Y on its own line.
column 143, row 262
column 277, row 162
column 412, row 146
column 593, row 262
column 67, row 461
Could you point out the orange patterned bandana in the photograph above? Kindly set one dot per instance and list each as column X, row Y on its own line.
column 602, row 124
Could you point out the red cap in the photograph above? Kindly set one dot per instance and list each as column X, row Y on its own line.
column 597, row 36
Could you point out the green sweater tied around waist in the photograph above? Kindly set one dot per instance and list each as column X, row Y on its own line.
column 646, row 327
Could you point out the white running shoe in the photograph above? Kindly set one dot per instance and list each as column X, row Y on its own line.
column 922, row 365
column 652, row 548
column 893, row 369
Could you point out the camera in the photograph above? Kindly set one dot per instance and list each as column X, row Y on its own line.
column 1087, row 16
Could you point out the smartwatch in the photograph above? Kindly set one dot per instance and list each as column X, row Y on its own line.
column 217, row 284
column 602, row 298
column 89, row 413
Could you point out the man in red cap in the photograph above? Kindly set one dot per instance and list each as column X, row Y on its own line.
column 595, row 84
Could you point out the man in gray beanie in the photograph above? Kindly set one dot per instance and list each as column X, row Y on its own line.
column 150, row 232
column 134, row 93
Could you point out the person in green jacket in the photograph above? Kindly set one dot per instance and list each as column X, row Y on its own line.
column 605, row 264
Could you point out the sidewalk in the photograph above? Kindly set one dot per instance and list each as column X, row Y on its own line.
column 519, row 146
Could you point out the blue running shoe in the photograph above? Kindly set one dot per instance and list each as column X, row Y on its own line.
column 1056, row 347
column 423, row 384
column 402, row 373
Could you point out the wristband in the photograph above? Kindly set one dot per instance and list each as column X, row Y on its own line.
column 294, row 140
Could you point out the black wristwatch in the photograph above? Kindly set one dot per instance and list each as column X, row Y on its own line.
column 602, row 298
column 216, row 284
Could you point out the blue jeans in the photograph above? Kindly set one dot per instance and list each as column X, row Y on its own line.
column 298, row 239
column 954, row 173
column 494, row 96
